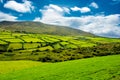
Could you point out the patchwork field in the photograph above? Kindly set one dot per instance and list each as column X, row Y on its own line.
column 54, row 48
column 97, row 68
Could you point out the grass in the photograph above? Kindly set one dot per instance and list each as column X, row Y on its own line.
column 31, row 45
column 70, row 46
column 51, row 39
column 98, row 68
column 64, row 43
column 2, row 36
column 57, row 46
column 14, row 40
column 2, row 42
column 15, row 46
column 11, row 66
column 105, row 40
column 82, row 43
column 32, row 40
column 46, row 48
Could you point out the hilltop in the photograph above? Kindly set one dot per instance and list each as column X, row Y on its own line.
column 38, row 27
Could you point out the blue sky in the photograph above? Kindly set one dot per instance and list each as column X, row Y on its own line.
column 101, row 17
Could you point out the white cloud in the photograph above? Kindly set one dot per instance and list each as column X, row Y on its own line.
column 37, row 19
column 95, row 5
column 82, row 10
column 85, row 9
column 55, row 7
column 66, row 10
column 54, row 13
column 75, row 8
column 7, row 17
column 19, row 7
column 100, row 24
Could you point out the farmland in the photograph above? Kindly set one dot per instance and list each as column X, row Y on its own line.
column 43, row 53
column 97, row 68
column 54, row 48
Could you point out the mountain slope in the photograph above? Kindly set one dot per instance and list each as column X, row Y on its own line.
column 38, row 27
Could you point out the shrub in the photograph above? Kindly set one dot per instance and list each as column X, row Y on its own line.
column 45, row 59
column 9, row 54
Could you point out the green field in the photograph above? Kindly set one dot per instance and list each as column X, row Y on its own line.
column 38, row 51
column 98, row 68
column 2, row 42
column 54, row 48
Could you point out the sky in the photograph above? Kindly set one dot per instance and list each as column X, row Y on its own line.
column 100, row 17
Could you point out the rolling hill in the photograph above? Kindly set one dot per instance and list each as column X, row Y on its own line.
column 97, row 68
column 30, row 42
column 38, row 27
column 24, row 43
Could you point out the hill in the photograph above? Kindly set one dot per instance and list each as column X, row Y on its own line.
column 98, row 68
column 54, row 48
column 23, row 44
column 38, row 27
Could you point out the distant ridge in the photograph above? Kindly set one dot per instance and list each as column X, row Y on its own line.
column 38, row 27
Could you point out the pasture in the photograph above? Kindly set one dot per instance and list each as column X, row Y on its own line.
column 97, row 68
column 54, row 48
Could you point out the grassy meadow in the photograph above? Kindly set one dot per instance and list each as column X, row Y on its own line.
column 97, row 68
